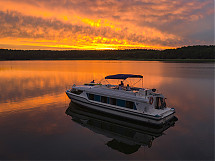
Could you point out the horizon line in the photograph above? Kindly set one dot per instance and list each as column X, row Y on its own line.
column 171, row 48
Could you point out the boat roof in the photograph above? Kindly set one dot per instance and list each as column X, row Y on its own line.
column 123, row 76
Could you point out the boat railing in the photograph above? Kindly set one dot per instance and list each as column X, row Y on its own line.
column 132, row 91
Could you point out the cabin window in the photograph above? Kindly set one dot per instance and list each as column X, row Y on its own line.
column 97, row 98
column 78, row 92
column 129, row 104
column 91, row 96
column 120, row 103
column 112, row 101
column 104, row 99
column 134, row 107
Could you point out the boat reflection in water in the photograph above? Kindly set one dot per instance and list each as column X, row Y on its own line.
column 127, row 135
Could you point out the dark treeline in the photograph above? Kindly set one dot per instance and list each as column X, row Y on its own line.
column 190, row 52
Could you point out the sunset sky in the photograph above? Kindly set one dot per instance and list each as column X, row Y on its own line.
column 105, row 24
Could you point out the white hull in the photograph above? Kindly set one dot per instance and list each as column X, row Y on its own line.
column 119, row 111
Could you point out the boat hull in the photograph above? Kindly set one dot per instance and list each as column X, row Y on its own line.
column 119, row 111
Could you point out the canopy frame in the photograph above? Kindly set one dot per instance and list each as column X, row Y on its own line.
column 123, row 76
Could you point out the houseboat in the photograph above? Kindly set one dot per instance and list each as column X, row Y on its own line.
column 140, row 104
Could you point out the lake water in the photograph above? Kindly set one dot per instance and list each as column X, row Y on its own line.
column 34, row 125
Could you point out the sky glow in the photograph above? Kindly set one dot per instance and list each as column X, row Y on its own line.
column 100, row 24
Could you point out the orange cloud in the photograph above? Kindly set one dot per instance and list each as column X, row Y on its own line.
column 99, row 24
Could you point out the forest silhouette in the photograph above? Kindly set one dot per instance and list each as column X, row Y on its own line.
column 189, row 52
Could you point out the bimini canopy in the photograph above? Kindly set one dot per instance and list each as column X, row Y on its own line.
column 123, row 76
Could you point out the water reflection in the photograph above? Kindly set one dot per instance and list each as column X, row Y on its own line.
column 126, row 136
column 33, row 123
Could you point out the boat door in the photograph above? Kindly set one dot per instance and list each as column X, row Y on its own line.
column 159, row 103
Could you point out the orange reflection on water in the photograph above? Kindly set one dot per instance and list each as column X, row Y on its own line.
column 32, row 102
column 29, row 84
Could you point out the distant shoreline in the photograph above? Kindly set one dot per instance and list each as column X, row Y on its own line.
column 159, row 60
column 184, row 54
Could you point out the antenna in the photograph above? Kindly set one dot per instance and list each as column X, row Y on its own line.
column 142, row 82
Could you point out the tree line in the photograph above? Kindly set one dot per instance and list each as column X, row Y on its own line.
column 189, row 52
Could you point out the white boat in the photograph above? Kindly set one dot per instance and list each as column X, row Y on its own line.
column 140, row 104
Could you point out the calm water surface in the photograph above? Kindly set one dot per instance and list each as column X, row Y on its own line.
column 34, row 125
